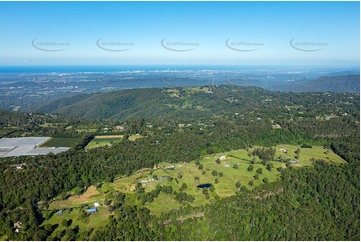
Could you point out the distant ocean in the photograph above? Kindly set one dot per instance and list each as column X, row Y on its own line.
column 113, row 68
column 76, row 68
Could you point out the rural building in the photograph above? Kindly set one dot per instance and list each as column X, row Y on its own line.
column 145, row 181
column 276, row 126
column 222, row 157
column 283, row 150
column 92, row 210
column 227, row 165
column 18, row 168
column 60, row 212
column 17, row 226
column 96, row 204
column 119, row 127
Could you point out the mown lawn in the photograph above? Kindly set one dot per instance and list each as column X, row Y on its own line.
column 100, row 142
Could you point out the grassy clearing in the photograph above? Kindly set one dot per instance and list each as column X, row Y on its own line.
column 134, row 137
column 104, row 140
column 192, row 176
column 75, row 208
column 77, row 217
column 234, row 167
column 187, row 172
column 115, row 136
column 91, row 195
column 307, row 154
column 60, row 142
column 163, row 203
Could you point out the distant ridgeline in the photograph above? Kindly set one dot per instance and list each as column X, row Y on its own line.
column 205, row 102
column 74, row 87
column 346, row 83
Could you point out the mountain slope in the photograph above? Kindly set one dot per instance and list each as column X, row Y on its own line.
column 176, row 103
column 199, row 102
column 112, row 105
column 345, row 83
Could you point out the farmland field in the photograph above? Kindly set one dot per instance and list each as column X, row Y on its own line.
column 104, row 140
column 232, row 169
column 60, row 142
column 134, row 137
column 115, row 136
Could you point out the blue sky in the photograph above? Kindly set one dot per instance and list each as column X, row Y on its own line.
column 258, row 33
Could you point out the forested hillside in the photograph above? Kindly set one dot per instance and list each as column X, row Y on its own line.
column 203, row 102
column 344, row 83
column 315, row 202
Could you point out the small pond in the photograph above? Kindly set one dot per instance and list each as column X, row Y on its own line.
column 204, row 185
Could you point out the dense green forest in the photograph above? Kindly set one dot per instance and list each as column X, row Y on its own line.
column 203, row 103
column 181, row 125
